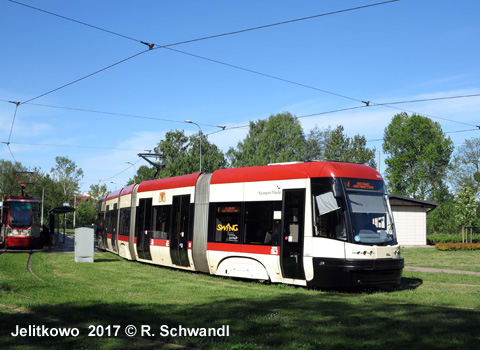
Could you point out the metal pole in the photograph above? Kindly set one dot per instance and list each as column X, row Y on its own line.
column 74, row 207
column 43, row 199
column 190, row 122
column 134, row 169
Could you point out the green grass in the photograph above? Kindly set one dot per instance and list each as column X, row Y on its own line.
column 428, row 310
column 433, row 258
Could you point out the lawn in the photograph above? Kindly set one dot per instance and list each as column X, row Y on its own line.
column 427, row 311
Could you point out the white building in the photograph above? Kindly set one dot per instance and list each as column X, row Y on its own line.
column 410, row 217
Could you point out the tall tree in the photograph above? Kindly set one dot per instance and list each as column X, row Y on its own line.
column 49, row 189
column 466, row 167
column 97, row 192
column 9, row 185
column 466, row 207
column 212, row 157
column 418, row 156
column 68, row 176
column 182, row 154
column 335, row 145
column 86, row 213
column 144, row 173
column 173, row 148
column 279, row 138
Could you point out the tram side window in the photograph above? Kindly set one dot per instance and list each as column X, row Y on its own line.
column 6, row 207
column 144, row 212
column 161, row 221
column 227, row 223
column 258, row 223
column 329, row 218
column 124, row 222
column 107, row 219
column 114, row 218
column 36, row 214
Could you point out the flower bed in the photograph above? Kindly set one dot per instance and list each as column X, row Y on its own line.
column 457, row 246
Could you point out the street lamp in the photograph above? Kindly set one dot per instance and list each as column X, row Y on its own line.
column 190, row 122
column 134, row 169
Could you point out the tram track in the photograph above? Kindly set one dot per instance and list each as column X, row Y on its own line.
column 29, row 259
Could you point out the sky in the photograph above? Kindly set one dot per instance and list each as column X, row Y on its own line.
column 400, row 51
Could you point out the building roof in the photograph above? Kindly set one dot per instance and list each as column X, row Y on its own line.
column 397, row 200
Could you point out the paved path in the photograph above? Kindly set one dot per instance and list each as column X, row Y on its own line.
column 427, row 269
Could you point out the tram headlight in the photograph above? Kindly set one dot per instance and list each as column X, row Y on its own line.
column 9, row 230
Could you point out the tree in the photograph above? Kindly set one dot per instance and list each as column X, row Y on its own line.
column 418, row 156
column 97, row 192
column 173, row 149
column 466, row 207
column 86, row 213
column 182, row 154
column 68, row 176
column 9, row 185
column 144, row 173
column 52, row 192
column 279, row 138
column 212, row 157
column 466, row 167
column 443, row 219
column 334, row 145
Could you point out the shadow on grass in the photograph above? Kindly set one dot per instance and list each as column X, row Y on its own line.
column 409, row 283
column 293, row 321
column 107, row 260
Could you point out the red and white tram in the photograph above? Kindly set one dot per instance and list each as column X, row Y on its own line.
column 323, row 224
column 21, row 222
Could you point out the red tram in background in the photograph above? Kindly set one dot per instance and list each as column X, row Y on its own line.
column 322, row 224
column 20, row 222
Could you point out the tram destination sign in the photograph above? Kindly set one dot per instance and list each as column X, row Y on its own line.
column 362, row 184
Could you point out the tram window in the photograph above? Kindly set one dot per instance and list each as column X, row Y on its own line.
column 20, row 214
column 227, row 223
column 161, row 221
column 6, row 207
column 36, row 214
column 329, row 218
column 124, row 221
column 114, row 218
column 144, row 212
column 258, row 223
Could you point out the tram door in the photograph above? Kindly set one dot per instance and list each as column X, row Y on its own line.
column 293, row 231
column 180, row 230
column 142, row 229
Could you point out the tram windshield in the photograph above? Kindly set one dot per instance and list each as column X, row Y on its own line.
column 20, row 214
column 357, row 211
column 370, row 212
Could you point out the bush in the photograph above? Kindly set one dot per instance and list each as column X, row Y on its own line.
column 449, row 238
column 457, row 246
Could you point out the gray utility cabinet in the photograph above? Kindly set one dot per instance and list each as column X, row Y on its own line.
column 84, row 244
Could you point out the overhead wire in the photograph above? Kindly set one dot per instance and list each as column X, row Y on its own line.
column 445, row 132
column 168, row 46
column 109, row 113
column 14, row 116
column 153, row 46
column 75, row 146
column 215, row 35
